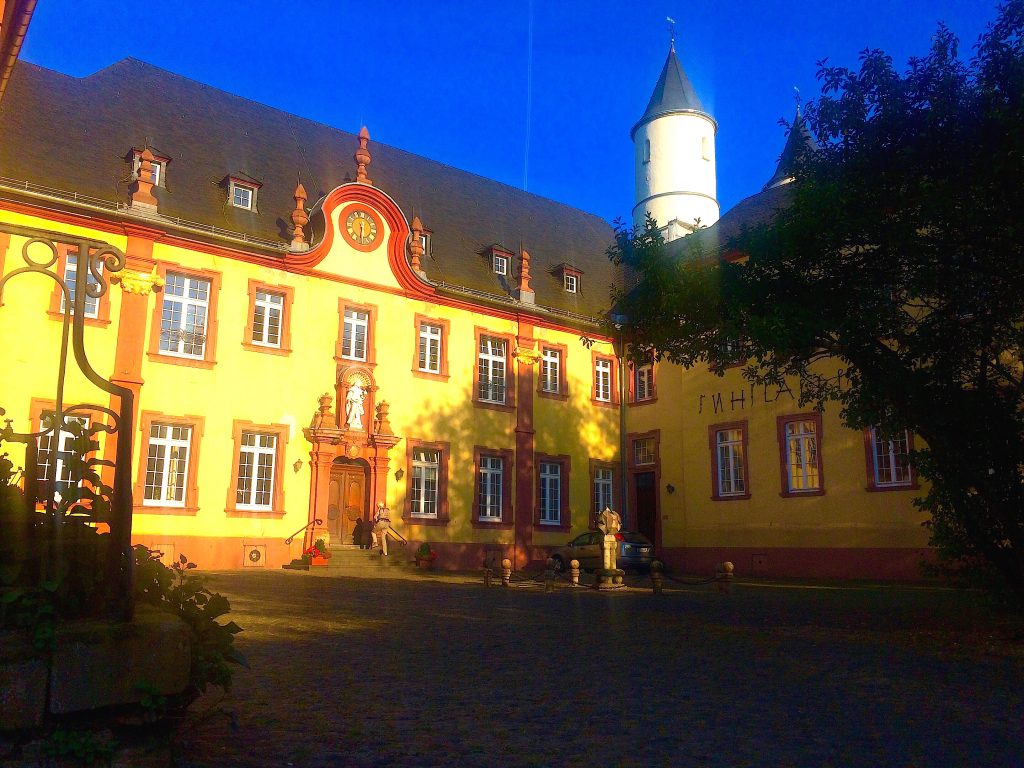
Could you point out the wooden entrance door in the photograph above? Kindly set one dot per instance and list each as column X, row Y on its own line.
column 646, row 504
column 346, row 501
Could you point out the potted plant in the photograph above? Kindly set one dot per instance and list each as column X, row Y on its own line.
column 317, row 554
column 425, row 556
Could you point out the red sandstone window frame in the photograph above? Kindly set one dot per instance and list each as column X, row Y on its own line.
column 102, row 319
column 281, row 433
column 634, row 372
column 869, row 465
column 445, row 325
column 510, row 379
column 507, row 457
column 713, row 430
column 781, row 422
column 191, row 506
column 616, row 471
column 613, row 383
column 287, row 293
column 209, row 358
column 371, row 333
column 564, row 523
column 444, row 452
column 562, row 393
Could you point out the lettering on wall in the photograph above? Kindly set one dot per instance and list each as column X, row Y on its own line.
column 741, row 399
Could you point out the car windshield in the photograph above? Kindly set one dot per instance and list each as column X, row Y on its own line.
column 635, row 538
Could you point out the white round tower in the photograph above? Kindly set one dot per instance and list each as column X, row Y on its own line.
column 674, row 151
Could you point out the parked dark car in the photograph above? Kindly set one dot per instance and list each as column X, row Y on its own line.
column 635, row 551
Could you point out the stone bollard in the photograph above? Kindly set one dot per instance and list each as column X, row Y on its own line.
column 657, row 577
column 487, row 576
column 574, row 572
column 723, row 577
column 506, row 572
column 549, row 575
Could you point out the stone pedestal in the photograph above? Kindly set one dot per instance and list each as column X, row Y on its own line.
column 608, row 576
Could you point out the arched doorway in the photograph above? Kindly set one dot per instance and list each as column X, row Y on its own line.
column 348, row 498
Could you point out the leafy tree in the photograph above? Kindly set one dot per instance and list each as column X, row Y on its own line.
column 901, row 257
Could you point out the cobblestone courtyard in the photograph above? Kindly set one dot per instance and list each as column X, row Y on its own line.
column 438, row 671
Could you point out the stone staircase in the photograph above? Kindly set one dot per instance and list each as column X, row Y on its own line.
column 350, row 560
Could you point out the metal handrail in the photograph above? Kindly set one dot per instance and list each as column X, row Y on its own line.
column 314, row 521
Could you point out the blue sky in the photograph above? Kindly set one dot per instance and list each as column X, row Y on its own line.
column 455, row 81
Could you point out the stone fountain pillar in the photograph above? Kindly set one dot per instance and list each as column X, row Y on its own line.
column 608, row 575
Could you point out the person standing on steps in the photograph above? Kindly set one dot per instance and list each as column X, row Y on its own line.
column 382, row 527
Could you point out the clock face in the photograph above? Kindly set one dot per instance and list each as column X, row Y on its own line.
column 361, row 227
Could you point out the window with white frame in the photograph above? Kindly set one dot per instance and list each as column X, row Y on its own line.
column 802, row 456
column 500, row 264
column 491, row 475
column 426, row 464
column 353, row 339
column 268, row 309
column 256, row 463
column 550, row 492
column 167, row 464
column 551, row 370
column 643, row 385
column 603, row 489
column 183, row 320
column 891, row 458
column 92, row 303
column 243, row 196
column 572, row 283
column 603, row 380
column 491, row 367
column 54, row 458
column 643, row 451
column 430, row 348
column 730, row 462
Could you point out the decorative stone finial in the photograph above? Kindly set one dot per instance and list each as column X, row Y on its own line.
column 525, row 293
column 362, row 157
column 141, row 190
column 416, row 246
column 382, row 422
column 299, row 219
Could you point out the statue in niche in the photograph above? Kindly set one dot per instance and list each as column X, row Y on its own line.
column 354, row 405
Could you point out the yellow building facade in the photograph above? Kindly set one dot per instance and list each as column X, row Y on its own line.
column 390, row 331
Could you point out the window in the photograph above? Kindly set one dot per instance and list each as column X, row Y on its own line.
column 54, row 459
column 491, row 370
column 647, row 150
column 242, row 195
column 266, row 320
column 572, row 283
column 92, row 303
column 603, row 380
column 889, row 460
column 604, row 486
column 426, row 466
column 500, row 264
column 429, row 359
column 551, row 370
column 353, row 343
column 167, row 463
column 705, row 147
column 550, row 492
column 644, row 451
column 728, row 461
column 799, row 443
column 255, row 479
column 426, row 489
column 184, row 316
column 491, row 470
column 643, row 382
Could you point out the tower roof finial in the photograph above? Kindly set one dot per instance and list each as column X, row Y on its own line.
column 671, row 32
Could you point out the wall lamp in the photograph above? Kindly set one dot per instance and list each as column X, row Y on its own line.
column 297, row 465
column 399, row 474
column 670, row 488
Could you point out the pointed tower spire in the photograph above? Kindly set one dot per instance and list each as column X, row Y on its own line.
column 798, row 141
column 673, row 92
column 299, row 219
column 362, row 157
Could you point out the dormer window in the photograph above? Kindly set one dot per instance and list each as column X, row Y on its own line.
column 500, row 264
column 572, row 283
column 425, row 242
column 159, row 167
column 570, row 275
column 242, row 195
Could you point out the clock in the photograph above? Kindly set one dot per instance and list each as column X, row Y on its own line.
column 361, row 228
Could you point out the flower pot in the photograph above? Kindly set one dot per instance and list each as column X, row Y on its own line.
column 424, row 562
column 316, row 560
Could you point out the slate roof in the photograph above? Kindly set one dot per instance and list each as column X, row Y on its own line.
column 799, row 139
column 672, row 93
column 73, row 134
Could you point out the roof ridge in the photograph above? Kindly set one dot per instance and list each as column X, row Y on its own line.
column 390, row 147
